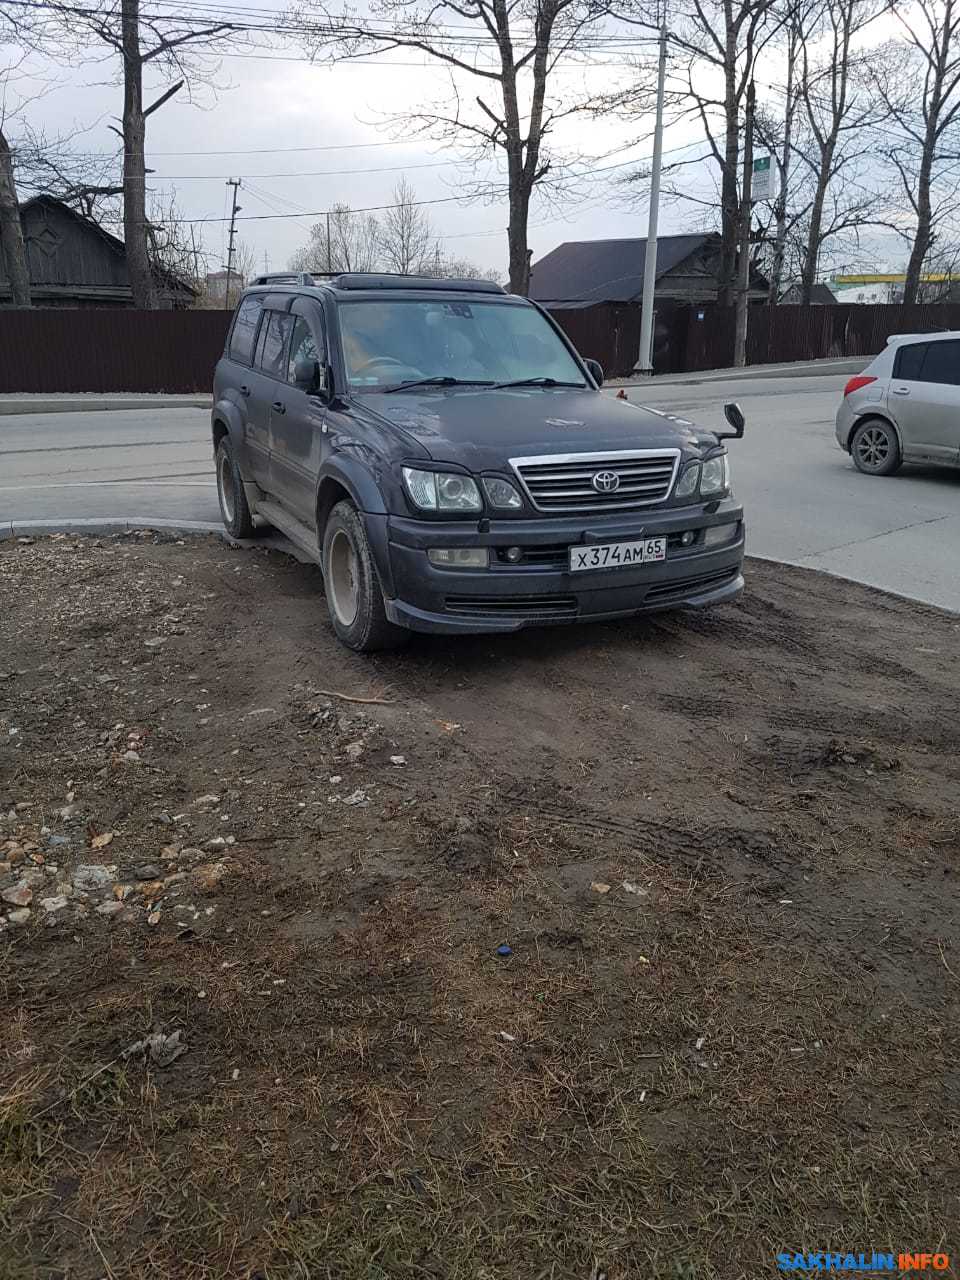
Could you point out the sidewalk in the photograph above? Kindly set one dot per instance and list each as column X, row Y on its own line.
column 97, row 402
column 846, row 366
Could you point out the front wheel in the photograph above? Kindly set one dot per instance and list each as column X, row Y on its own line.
column 875, row 448
column 354, row 597
column 233, row 499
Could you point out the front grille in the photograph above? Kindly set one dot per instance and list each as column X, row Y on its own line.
column 547, row 607
column 675, row 590
column 565, row 482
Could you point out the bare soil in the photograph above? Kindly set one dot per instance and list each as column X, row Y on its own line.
column 722, row 849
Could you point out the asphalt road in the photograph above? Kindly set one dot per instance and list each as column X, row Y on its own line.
column 805, row 502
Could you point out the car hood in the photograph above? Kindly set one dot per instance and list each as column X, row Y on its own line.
column 482, row 429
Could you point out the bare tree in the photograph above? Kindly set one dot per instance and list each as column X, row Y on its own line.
column 406, row 238
column 139, row 42
column 342, row 241
column 840, row 106
column 13, row 251
column 717, row 42
column 513, row 114
column 922, row 93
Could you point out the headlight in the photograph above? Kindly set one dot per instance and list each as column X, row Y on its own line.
column 441, row 490
column 715, row 476
column 687, row 484
column 501, row 493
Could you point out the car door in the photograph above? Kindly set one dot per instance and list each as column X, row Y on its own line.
column 925, row 399
column 240, row 385
column 297, row 421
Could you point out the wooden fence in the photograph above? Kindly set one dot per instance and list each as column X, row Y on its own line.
column 57, row 349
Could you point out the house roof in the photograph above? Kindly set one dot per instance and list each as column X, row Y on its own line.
column 605, row 270
column 163, row 274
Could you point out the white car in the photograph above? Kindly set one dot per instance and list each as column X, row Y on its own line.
column 905, row 406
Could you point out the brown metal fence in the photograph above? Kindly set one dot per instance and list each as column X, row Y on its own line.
column 55, row 350
column 697, row 337
column 60, row 350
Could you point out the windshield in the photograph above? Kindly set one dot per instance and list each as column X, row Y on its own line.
column 386, row 344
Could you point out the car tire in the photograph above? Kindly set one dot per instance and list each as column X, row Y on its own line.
column 875, row 448
column 234, row 510
column 354, row 594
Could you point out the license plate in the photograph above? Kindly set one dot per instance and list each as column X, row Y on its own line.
column 617, row 555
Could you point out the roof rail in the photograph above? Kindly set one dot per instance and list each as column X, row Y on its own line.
column 389, row 280
column 284, row 277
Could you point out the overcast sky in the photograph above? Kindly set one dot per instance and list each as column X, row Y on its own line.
column 301, row 135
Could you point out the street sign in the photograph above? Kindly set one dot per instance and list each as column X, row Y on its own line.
column 762, row 182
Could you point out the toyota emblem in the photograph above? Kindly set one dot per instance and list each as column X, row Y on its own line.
column 606, row 482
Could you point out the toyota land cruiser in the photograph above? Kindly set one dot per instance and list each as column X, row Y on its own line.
column 447, row 457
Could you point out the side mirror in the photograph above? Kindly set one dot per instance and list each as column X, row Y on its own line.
column 595, row 370
column 734, row 415
column 307, row 374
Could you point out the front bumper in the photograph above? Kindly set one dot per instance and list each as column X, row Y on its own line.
column 542, row 590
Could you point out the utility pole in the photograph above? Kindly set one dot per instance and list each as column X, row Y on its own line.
column 746, row 222
column 645, row 359
column 329, row 258
column 235, row 183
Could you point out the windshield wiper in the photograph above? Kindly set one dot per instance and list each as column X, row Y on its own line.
column 537, row 382
column 442, row 380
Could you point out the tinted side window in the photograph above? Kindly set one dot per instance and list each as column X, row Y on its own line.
column 909, row 362
column 302, row 347
column 244, row 329
column 942, row 363
column 277, row 325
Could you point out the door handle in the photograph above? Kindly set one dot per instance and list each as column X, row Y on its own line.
column 244, row 391
column 901, row 391
column 279, row 406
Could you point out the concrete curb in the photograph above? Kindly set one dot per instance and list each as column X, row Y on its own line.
column 98, row 404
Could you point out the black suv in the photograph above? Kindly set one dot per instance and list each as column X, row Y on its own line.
column 446, row 456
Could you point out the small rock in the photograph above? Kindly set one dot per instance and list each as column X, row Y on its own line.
column 216, row 844
column 633, row 888
column 153, row 917
column 67, row 811
column 191, row 852
column 169, row 851
column 21, row 895
column 204, row 800
column 19, row 917
column 54, row 842
column 131, row 757
column 150, row 888
column 154, row 641
column 335, row 778
column 93, row 879
column 356, row 797
column 209, row 874
column 398, row 760
column 599, row 887
column 122, row 891
column 164, row 818
column 176, row 878
column 109, row 908
column 147, row 872
column 53, row 904
column 353, row 750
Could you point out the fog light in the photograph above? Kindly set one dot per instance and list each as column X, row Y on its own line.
column 717, row 534
column 514, row 554
column 459, row 557
column 688, row 538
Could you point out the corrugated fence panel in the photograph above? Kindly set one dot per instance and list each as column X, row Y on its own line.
column 48, row 350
